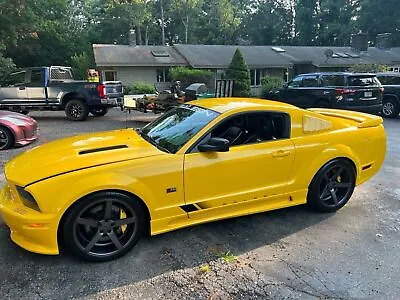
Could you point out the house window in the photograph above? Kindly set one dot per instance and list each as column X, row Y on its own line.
column 110, row 75
column 255, row 76
column 162, row 75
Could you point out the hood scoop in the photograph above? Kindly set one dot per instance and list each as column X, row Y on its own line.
column 83, row 152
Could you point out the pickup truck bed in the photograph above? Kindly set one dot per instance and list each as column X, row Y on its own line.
column 53, row 88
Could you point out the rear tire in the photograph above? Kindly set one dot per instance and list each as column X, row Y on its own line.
column 391, row 108
column 99, row 112
column 76, row 110
column 332, row 186
column 7, row 138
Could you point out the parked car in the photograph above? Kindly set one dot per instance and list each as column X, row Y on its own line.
column 53, row 88
column 359, row 92
column 205, row 160
column 16, row 130
column 391, row 96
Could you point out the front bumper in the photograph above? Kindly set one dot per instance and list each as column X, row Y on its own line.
column 371, row 109
column 30, row 229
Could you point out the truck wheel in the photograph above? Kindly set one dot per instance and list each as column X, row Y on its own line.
column 76, row 110
column 99, row 111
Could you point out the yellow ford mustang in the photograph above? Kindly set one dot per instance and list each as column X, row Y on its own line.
column 202, row 161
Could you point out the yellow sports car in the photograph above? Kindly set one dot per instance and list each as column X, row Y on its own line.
column 202, row 161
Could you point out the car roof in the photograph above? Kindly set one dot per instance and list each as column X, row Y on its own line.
column 338, row 73
column 223, row 105
column 394, row 74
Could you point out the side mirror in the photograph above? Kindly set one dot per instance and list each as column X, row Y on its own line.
column 215, row 144
column 285, row 85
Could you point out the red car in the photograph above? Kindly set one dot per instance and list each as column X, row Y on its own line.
column 16, row 130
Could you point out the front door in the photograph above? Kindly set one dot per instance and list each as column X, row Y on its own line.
column 254, row 169
column 35, row 87
column 13, row 90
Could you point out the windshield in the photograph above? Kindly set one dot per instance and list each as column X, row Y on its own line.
column 177, row 126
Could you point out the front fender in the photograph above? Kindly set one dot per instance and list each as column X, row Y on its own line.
column 71, row 187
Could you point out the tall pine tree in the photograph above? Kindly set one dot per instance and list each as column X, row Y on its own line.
column 239, row 71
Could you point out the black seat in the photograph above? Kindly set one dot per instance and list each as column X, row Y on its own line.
column 264, row 132
column 232, row 134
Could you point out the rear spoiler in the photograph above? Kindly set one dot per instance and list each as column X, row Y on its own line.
column 364, row 120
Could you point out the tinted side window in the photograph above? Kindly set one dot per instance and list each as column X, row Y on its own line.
column 253, row 128
column 310, row 81
column 37, row 78
column 333, row 80
column 15, row 79
column 296, row 82
column 389, row 80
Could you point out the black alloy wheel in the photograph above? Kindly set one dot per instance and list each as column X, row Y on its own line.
column 104, row 226
column 332, row 186
column 76, row 110
column 6, row 138
column 99, row 111
column 390, row 108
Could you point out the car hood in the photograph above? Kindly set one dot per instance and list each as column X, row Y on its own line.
column 76, row 153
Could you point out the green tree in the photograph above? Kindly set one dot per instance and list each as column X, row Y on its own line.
column 306, row 21
column 380, row 16
column 239, row 71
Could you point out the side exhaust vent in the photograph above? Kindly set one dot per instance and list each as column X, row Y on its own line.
column 102, row 149
column 189, row 208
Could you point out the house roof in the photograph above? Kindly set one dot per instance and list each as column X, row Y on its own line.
column 146, row 56
column 220, row 56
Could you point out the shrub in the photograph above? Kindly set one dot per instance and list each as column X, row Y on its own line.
column 368, row 68
column 239, row 71
column 188, row 76
column 269, row 83
column 139, row 88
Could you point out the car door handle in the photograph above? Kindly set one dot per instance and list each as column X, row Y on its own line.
column 280, row 153
column 21, row 88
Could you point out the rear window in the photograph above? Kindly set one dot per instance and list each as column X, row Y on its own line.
column 363, row 81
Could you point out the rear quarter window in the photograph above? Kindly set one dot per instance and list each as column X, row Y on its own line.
column 332, row 80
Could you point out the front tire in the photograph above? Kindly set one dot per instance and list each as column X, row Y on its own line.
column 104, row 226
column 99, row 111
column 332, row 186
column 6, row 138
column 76, row 110
column 391, row 108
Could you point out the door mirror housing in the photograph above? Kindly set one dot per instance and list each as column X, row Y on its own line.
column 285, row 86
column 215, row 144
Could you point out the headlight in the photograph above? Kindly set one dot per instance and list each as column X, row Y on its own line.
column 27, row 198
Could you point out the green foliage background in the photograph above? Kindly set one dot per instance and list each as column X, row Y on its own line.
column 188, row 76
column 61, row 32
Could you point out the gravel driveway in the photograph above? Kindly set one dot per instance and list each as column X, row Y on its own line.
column 286, row 254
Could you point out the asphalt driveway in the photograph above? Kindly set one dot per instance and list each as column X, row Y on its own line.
column 291, row 253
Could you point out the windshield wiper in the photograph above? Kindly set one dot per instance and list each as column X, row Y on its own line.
column 153, row 142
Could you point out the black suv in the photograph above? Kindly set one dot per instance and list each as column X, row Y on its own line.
column 391, row 96
column 354, row 91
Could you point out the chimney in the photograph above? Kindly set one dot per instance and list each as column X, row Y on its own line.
column 359, row 42
column 383, row 41
column 132, row 37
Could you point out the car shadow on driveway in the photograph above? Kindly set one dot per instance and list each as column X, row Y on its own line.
column 186, row 248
